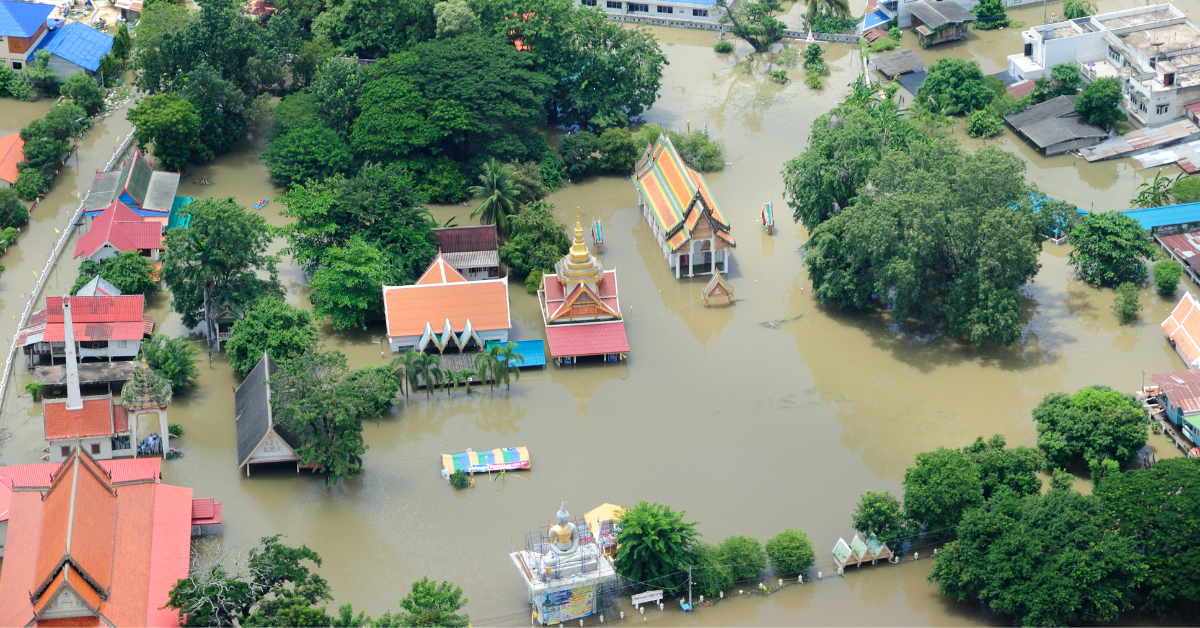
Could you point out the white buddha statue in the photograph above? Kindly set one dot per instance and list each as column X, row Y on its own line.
column 566, row 556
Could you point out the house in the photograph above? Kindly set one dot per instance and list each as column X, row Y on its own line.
column 11, row 153
column 105, row 328
column 686, row 10
column 686, row 221
column 939, row 21
column 1183, row 329
column 98, row 287
column 131, row 10
column 149, row 193
column 259, row 440
column 1179, row 395
column 580, row 308
column 117, row 230
column 1151, row 50
column 75, row 47
column 93, row 543
column 1054, row 127
column 22, row 27
column 443, row 312
column 897, row 63
column 472, row 251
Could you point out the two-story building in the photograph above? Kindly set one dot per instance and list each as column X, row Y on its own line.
column 22, row 28
column 116, row 230
column 690, row 10
column 105, row 328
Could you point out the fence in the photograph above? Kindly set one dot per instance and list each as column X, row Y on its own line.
column 724, row 28
column 73, row 219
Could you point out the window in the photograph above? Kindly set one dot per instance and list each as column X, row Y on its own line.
column 634, row 7
column 95, row 449
column 590, row 3
column 1161, row 109
column 699, row 12
column 65, row 451
column 17, row 65
column 122, row 343
column 614, row 5
column 662, row 9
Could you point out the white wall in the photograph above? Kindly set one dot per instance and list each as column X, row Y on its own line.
column 679, row 11
column 105, row 443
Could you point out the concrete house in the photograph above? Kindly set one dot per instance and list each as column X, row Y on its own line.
column 117, row 230
column 935, row 22
column 22, row 28
column 75, row 47
column 690, row 10
column 105, row 328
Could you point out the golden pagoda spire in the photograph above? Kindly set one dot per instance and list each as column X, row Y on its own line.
column 579, row 250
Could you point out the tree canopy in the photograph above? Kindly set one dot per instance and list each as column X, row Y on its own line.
column 128, row 272
column 961, row 80
column 538, row 240
column 345, row 290
column 939, row 487
column 879, row 513
column 791, row 552
column 174, row 359
column 1095, row 424
column 1110, row 248
column 434, row 604
column 272, row 326
column 754, row 21
column 1100, row 102
column 655, row 546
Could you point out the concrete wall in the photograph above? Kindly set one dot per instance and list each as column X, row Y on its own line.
column 64, row 68
column 105, row 443
column 661, row 9
column 16, row 49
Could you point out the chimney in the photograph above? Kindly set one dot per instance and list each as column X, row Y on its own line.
column 74, row 399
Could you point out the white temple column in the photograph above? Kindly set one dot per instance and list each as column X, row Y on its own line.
column 691, row 258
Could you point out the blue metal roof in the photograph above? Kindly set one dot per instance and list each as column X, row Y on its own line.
column 22, row 19
column 78, row 43
column 1165, row 216
column 533, row 352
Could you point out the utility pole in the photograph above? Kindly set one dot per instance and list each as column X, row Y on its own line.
column 689, row 585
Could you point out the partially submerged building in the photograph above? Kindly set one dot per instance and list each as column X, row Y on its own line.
column 259, row 439
column 116, row 230
column 705, row 11
column 1179, row 395
column 105, row 328
column 683, row 216
column 141, row 188
column 1054, row 127
column 75, row 47
column 12, row 152
column 443, row 312
column 473, row 251
column 22, row 27
column 939, row 21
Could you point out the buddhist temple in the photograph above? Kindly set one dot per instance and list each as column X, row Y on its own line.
column 443, row 312
column 580, row 308
column 686, row 221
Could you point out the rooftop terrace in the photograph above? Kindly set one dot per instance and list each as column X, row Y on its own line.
column 1138, row 19
column 1163, row 39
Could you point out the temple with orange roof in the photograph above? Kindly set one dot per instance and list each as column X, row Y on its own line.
column 580, row 308
column 90, row 543
column 12, row 152
column 1183, row 330
column 681, row 211
column 444, row 313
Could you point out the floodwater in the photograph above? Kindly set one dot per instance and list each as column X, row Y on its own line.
column 772, row 413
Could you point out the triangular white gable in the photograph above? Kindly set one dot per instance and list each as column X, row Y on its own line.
column 273, row 448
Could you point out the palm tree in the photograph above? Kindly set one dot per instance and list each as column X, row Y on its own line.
column 507, row 359
column 484, row 363
column 499, row 193
column 826, row 8
column 465, row 375
column 450, row 377
column 429, row 367
column 406, row 369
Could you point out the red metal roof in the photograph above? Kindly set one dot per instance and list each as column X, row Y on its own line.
column 120, row 227
column 170, row 551
column 466, row 239
column 95, row 419
column 11, row 153
column 587, row 339
column 1182, row 388
column 96, row 318
column 205, row 512
column 1021, row 89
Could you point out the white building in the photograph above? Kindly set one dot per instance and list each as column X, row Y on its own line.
column 693, row 10
column 1153, row 50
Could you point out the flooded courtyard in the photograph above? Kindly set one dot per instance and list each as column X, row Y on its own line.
column 772, row 413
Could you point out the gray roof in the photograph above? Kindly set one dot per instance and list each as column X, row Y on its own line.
column 912, row 81
column 252, row 402
column 98, row 287
column 104, row 189
column 934, row 14
column 160, row 194
column 1054, row 122
column 899, row 63
column 472, row 259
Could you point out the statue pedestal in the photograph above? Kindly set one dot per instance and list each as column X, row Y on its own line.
column 568, row 590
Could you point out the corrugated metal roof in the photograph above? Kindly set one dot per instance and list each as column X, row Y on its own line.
column 1141, row 139
column 473, row 259
column 78, row 43
column 1166, row 216
column 1182, row 388
column 160, row 194
column 121, row 228
column 22, row 19
column 587, row 339
column 899, row 63
column 935, row 14
column 466, row 239
column 98, row 309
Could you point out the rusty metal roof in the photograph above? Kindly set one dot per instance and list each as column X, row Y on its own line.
column 1182, row 388
column 1141, row 139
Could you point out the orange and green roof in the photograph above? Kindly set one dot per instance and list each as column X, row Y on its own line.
column 671, row 189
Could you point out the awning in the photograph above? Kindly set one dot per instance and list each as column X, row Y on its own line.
column 587, row 339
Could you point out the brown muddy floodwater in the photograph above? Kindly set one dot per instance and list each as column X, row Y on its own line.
column 750, row 428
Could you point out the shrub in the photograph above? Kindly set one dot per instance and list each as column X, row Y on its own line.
column 175, row 429
column 31, row 184
column 13, row 212
column 884, row 44
column 1061, row 479
column 780, row 76
column 791, row 552
column 1186, row 190
column 709, row 575
column 894, row 33
column 788, row 57
column 743, row 556
column 533, row 282
column 174, row 359
column 21, row 88
column 1166, row 276
column 699, row 150
column 723, row 47
column 1127, row 305
column 459, row 479
column 83, row 90
column 984, row 123
column 35, row 389
column 813, row 80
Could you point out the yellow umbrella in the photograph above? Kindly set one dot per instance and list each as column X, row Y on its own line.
column 601, row 513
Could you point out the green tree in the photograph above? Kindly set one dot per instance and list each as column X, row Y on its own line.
column 961, row 80
column 454, row 18
column 1100, row 102
column 1094, row 424
column 122, row 43
column 429, row 368
column 499, row 195
column 1066, row 78
column 406, row 369
column 1156, row 192
column 743, row 556
column 505, row 363
column 433, row 604
column 216, row 262
column 13, row 212
column 991, row 14
column 1127, row 305
column 1166, row 277
column 1014, row 469
column 1044, row 561
column 336, row 88
column 984, row 123
column 313, row 152
column 1110, row 248
column 38, row 71
column 939, row 488
column 128, row 272
column 374, row 29
column 83, row 91
column 1156, row 510
column 375, row 387
column 879, row 513
column 755, row 21
column 273, row 326
column 791, row 552
column 826, row 10
column 654, row 546
column 346, row 288
column 945, row 235
column 529, row 183
column 1186, row 189
column 618, row 153
column 698, row 150
column 579, row 154
column 174, row 359
column 171, row 123
column 1075, row 9
column 709, row 575
column 537, row 242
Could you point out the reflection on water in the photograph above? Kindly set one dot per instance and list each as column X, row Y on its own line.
column 750, row 428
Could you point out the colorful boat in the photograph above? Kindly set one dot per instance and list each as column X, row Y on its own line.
column 506, row 459
column 263, row 203
column 768, row 218
column 598, row 236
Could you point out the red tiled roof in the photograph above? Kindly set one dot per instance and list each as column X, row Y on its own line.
column 443, row 294
column 97, row 318
column 11, row 153
column 95, row 419
column 123, row 229
column 1021, row 89
column 170, row 551
column 79, row 528
column 440, row 272
column 205, row 511
column 587, row 339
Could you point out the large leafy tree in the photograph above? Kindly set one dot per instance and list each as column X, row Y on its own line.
column 1156, row 508
column 655, row 547
column 1100, row 102
column 791, row 552
column 374, row 29
column 216, row 261
column 942, row 235
column 272, row 326
column 172, row 124
column 1095, row 424
column 754, row 20
column 939, row 487
column 743, row 555
column 13, row 212
column 83, row 91
column 174, row 359
column 335, row 90
column 128, row 272
column 313, row 152
column 1044, row 561
column 434, row 604
column 961, row 80
column 1006, row 468
column 538, row 241
column 1110, row 248
column 346, row 288
column 879, row 513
